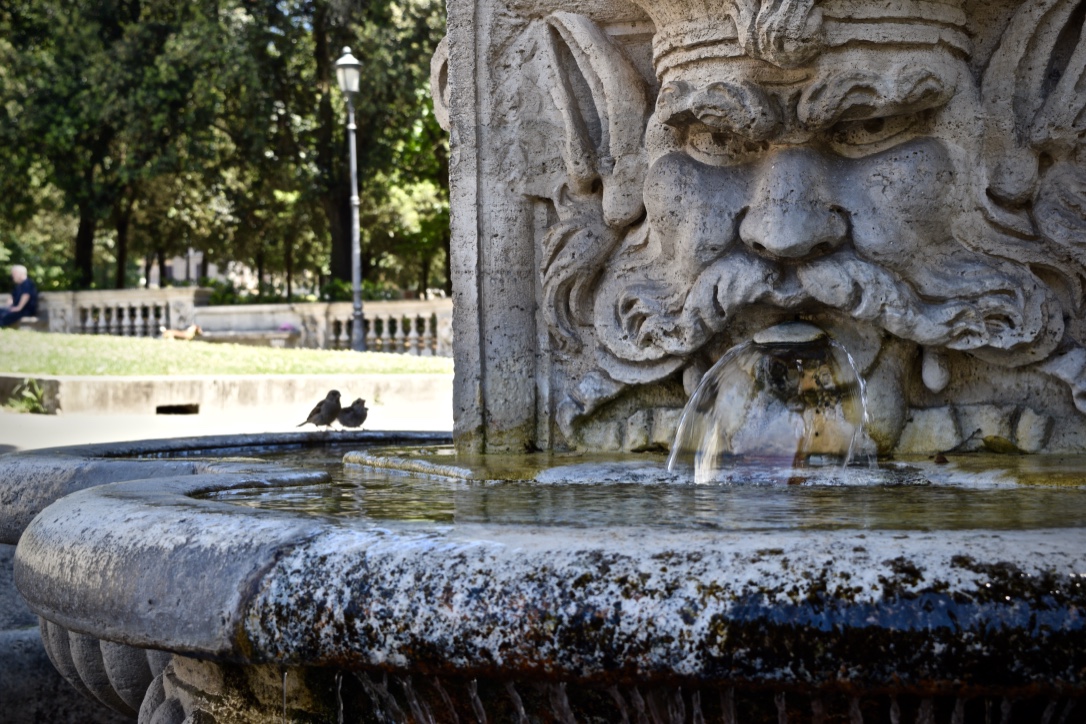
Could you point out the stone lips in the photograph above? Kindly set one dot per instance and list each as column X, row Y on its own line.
column 142, row 563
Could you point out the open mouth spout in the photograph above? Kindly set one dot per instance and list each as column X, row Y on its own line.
column 791, row 392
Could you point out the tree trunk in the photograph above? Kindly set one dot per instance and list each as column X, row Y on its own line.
column 289, row 242
column 122, row 254
column 121, row 221
column 260, row 275
column 424, row 277
column 337, row 208
column 160, row 254
column 84, row 247
column 148, row 265
column 331, row 147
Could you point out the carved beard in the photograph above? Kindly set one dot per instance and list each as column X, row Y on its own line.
column 1000, row 311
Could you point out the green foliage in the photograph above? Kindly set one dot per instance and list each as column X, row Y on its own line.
column 338, row 290
column 27, row 397
column 143, row 129
column 221, row 292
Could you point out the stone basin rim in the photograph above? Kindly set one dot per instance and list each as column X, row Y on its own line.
column 33, row 479
column 253, row 567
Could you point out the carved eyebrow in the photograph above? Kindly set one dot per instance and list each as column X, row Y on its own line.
column 859, row 93
column 737, row 106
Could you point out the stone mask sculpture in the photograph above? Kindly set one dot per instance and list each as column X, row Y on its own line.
column 847, row 163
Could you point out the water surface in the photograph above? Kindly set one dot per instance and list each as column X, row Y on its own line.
column 969, row 492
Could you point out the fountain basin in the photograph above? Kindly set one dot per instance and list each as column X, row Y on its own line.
column 848, row 609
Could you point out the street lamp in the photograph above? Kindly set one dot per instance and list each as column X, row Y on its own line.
column 348, row 72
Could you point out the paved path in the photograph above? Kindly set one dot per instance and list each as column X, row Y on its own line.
column 27, row 432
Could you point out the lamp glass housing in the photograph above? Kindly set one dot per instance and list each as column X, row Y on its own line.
column 348, row 72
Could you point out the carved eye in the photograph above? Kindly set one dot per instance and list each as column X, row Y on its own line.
column 719, row 148
column 871, row 135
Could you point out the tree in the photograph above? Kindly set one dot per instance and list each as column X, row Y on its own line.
column 106, row 101
column 162, row 124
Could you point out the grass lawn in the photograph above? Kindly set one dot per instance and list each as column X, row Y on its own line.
column 38, row 353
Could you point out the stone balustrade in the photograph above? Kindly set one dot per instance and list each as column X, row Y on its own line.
column 422, row 328
column 416, row 327
column 122, row 312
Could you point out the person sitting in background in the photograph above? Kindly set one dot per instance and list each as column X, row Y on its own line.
column 24, row 298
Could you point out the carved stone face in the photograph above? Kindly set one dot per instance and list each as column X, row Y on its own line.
column 832, row 191
column 907, row 175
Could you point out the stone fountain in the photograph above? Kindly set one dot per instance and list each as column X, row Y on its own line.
column 641, row 190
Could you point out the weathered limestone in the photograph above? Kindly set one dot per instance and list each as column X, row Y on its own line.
column 638, row 186
column 944, row 613
column 82, row 680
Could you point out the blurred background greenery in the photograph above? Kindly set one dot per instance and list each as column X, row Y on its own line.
column 132, row 131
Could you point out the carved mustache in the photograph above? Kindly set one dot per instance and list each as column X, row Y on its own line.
column 995, row 310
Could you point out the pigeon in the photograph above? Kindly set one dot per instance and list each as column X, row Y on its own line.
column 354, row 415
column 324, row 414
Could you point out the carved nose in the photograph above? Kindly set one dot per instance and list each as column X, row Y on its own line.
column 792, row 215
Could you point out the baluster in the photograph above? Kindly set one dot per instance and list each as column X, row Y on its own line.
column 413, row 336
column 96, row 314
column 349, row 342
column 727, row 705
column 81, row 319
column 401, row 335
column 123, row 323
column 926, row 715
column 855, row 715
column 371, row 338
column 431, row 336
column 424, row 336
column 112, row 322
column 388, row 343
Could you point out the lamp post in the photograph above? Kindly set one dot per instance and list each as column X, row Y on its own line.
column 348, row 72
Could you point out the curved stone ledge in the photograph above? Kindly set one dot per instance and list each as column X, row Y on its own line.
column 145, row 564
column 32, row 480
